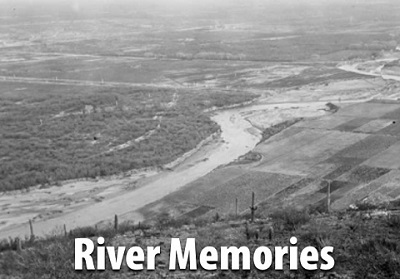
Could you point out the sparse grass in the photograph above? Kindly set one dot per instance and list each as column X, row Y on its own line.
column 291, row 218
column 363, row 248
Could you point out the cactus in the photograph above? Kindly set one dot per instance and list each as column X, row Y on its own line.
column 116, row 222
column 31, row 229
column 259, row 231
column 252, row 207
column 251, row 232
column 18, row 245
column 216, row 217
column 270, row 231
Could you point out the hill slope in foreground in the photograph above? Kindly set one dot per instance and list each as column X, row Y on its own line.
column 365, row 242
column 355, row 149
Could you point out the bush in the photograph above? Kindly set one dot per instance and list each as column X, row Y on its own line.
column 291, row 218
column 365, row 206
column 393, row 221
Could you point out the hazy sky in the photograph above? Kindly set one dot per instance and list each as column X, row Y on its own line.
column 61, row 8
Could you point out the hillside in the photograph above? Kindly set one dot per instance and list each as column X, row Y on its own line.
column 365, row 241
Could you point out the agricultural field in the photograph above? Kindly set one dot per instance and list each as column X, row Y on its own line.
column 362, row 164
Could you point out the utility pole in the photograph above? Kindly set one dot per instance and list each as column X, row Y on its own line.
column 236, row 207
column 328, row 197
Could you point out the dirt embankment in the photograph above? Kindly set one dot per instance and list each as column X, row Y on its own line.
column 190, row 153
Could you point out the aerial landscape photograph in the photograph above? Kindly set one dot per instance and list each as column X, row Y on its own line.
column 235, row 123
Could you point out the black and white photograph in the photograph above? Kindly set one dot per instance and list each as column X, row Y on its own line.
column 200, row 139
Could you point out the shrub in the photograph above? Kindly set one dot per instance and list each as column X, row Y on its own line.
column 393, row 221
column 84, row 232
column 291, row 217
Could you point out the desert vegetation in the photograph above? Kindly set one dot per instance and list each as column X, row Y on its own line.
column 356, row 234
column 49, row 134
